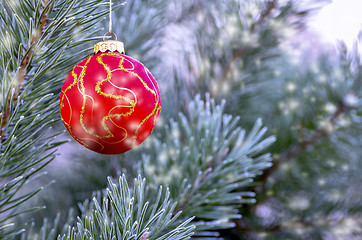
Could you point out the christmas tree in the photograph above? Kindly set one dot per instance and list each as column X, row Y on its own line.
column 257, row 139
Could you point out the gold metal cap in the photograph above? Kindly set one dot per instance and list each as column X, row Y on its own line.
column 109, row 45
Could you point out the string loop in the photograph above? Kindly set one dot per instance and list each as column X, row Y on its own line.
column 110, row 16
column 109, row 33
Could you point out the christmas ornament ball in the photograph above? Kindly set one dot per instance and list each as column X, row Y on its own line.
column 110, row 102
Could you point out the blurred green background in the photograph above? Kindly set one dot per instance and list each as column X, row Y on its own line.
column 263, row 58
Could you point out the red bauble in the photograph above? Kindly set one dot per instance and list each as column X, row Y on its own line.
column 110, row 103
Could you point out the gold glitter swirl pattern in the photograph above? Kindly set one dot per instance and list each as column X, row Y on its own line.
column 64, row 95
column 130, row 103
column 99, row 91
column 156, row 109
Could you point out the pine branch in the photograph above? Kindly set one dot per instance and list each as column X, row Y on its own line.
column 120, row 211
column 309, row 174
column 207, row 162
column 238, row 53
column 24, row 68
column 269, row 6
column 130, row 213
column 30, row 76
column 295, row 150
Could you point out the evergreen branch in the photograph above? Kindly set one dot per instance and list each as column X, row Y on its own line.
column 213, row 160
column 229, row 65
column 126, row 213
column 29, row 81
column 238, row 53
column 6, row 112
column 190, row 10
column 295, row 150
column 269, row 6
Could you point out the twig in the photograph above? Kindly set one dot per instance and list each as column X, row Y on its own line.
column 301, row 146
column 288, row 154
column 210, row 167
column 237, row 54
column 22, row 74
column 270, row 5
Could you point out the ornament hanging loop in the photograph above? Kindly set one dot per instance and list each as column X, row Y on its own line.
column 110, row 32
column 109, row 45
